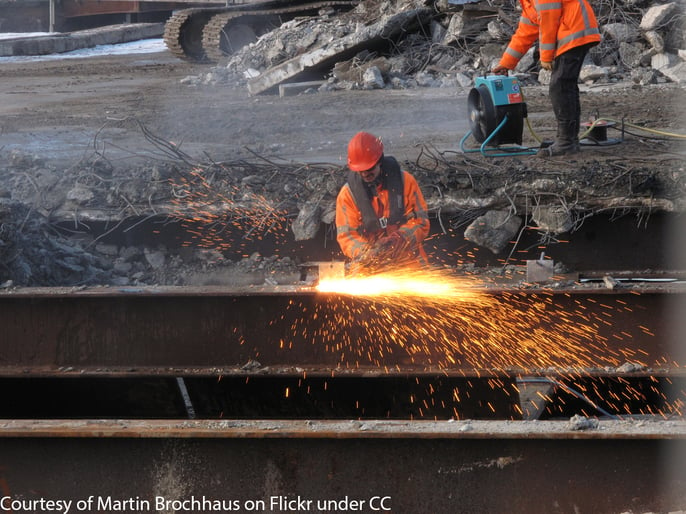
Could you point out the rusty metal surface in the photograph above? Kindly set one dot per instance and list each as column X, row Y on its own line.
column 638, row 427
column 218, row 331
column 407, row 470
column 76, row 8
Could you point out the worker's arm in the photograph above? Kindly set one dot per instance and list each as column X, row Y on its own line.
column 524, row 37
column 349, row 225
column 416, row 228
column 550, row 14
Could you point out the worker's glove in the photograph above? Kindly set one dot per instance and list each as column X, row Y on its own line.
column 381, row 252
column 500, row 70
column 547, row 65
column 390, row 245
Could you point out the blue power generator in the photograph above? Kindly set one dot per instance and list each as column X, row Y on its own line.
column 496, row 110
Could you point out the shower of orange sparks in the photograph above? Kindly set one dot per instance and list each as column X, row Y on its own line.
column 415, row 283
column 201, row 204
column 439, row 319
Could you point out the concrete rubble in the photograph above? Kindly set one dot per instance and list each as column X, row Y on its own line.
column 422, row 43
column 493, row 230
column 338, row 48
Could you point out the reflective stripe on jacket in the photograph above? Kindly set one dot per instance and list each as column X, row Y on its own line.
column 559, row 25
column 351, row 236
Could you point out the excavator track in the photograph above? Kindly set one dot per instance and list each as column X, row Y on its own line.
column 183, row 33
column 205, row 35
column 227, row 32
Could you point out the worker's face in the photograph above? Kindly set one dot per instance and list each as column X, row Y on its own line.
column 371, row 174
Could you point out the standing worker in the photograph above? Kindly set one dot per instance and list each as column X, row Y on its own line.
column 381, row 214
column 566, row 30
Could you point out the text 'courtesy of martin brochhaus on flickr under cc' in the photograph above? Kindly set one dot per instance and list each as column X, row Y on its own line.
column 277, row 503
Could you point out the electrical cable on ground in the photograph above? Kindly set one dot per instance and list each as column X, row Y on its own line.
column 607, row 120
column 611, row 120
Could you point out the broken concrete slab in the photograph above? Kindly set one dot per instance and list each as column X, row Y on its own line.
column 340, row 49
column 553, row 218
column 527, row 61
column 655, row 39
column 630, row 54
column 373, row 78
column 620, row 32
column 657, row 15
column 468, row 23
column 493, row 230
column 279, row 55
column 354, row 70
column 676, row 73
column 308, row 221
column 591, row 72
column 644, row 76
column 663, row 60
column 298, row 87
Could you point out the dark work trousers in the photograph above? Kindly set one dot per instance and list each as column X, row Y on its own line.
column 564, row 93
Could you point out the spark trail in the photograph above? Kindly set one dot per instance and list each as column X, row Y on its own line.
column 438, row 320
column 447, row 320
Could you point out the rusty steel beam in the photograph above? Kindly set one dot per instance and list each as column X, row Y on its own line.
column 144, row 331
column 280, row 466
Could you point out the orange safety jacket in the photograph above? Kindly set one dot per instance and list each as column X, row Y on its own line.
column 559, row 25
column 351, row 234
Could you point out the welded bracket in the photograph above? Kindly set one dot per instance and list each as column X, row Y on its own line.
column 539, row 270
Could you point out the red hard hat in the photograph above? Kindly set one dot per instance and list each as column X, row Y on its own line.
column 364, row 151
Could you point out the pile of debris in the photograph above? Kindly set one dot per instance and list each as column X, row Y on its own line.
column 447, row 43
column 236, row 207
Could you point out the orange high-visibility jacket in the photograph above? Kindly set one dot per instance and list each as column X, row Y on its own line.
column 559, row 25
column 350, row 229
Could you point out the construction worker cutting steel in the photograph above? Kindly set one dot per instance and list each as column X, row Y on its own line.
column 381, row 214
column 566, row 30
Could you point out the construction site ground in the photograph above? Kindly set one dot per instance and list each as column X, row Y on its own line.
column 57, row 110
column 60, row 109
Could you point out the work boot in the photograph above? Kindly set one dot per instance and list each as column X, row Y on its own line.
column 577, row 129
column 566, row 142
column 558, row 148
